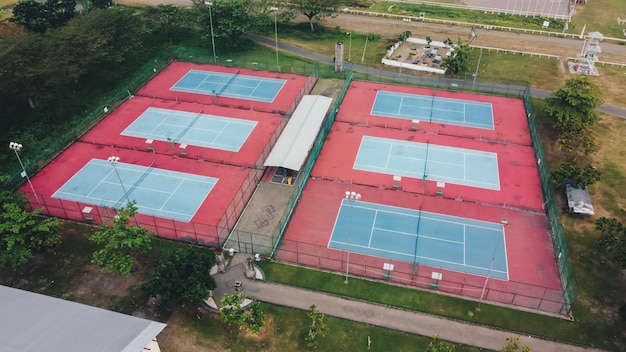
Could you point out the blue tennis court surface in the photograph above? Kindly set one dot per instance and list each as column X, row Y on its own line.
column 197, row 129
column 427, row 161
column 230, row 85
column 432, row 239
column 433, row 109
column 163, row 193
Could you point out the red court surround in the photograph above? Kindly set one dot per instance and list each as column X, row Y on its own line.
column 159, row 87
column 509, row 116
column 107, row 132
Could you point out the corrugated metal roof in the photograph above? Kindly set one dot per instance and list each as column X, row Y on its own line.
column 36, row 323
column 296, row 140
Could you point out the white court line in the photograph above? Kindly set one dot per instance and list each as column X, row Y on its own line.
column 464, row 243
column 410, row 234
column 369, row 243
column 462, row 220
column 171, row 194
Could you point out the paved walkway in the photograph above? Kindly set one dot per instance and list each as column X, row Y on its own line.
column 375, row 314
column 538, row 93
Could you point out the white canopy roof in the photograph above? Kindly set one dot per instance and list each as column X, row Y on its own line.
column 296, row 140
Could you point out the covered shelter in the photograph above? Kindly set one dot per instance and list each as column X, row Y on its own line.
column 34, row 322
column 295, row 142
column 578, row 200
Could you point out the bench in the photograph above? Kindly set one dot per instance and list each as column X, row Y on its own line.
column 88, row 218
column 387, row 276
column 151, row 149
column 439, row 193
column 183, row 153
column 434, row 285
column 396, row 185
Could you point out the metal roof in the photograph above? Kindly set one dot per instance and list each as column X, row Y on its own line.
column 32, row 322
column 296, row 140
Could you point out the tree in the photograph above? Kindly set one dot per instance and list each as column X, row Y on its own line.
column 436, row 345
column 23, row 233
column 429, row 40
column 613, row 239
column 44, row 70
column 458, row 64
column 579, row 177
column 121, row 241
column 318, row 328
column 38, row 17
column 168, row 18
column 183, row 277
column 572, row 111
column 251, row 318
column 230, row 18
column 514, row 344
column 315, row 10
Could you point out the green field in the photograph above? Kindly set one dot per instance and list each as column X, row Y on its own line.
column 600, row 16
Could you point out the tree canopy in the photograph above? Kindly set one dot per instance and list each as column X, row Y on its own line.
column 572, row 112
column 613, row 239
column 458, row 64
column 230, row 19
column 579, row 177
column 38, row 17
column 43, row 70
column 23, row 233
column 121, row 241
column 315, row 10
column 184, row 276
column 251, row 318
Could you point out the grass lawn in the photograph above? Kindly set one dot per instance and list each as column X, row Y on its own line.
column 539, row 72
column 599, row 16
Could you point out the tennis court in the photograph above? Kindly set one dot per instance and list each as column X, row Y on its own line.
column 433, row 109
column 158, row 192
column 189, row 128
column 229, row 85
column 420, row 237
column 428, row 161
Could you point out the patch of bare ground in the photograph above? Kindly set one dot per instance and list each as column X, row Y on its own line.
column 328, row 87
column 99, row 288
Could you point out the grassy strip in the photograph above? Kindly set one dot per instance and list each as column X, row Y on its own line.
column 470, row 16
column 581, row 332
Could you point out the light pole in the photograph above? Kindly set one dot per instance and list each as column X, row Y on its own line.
column 209, row 3
column 349, row 46
column 114, row 160
column 504, row 222
column 16, row 147
column 275, row 9
column 351, row 197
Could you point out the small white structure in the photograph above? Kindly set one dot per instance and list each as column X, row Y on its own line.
column 585, row 61
column 578, row 200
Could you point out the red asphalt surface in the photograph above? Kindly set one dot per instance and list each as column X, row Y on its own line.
column 533, row 274
column 224, row 204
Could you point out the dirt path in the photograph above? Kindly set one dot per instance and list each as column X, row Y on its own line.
column 497, row 39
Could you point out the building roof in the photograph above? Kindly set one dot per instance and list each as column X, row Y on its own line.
column 296, row 140
column 34, row 322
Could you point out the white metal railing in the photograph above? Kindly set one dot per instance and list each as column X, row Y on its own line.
column 549, row 56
